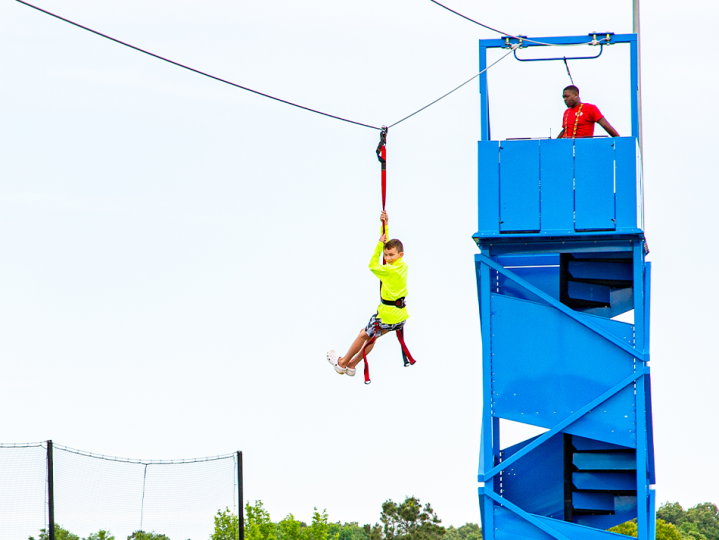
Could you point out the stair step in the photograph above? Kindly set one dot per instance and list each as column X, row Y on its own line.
column 614, row 271
column 583, row 444
column 593, row 461
column 593, row 501
column 615, row 482
column 586, row 291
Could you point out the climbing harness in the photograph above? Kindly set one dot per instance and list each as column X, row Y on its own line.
column 399, row 303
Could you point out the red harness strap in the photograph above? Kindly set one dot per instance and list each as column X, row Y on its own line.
column 406, row 356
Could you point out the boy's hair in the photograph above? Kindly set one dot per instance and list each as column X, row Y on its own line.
column 394, row 243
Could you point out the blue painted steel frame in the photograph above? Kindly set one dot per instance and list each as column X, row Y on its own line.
column 527, row 244
column 485, row 44
column 490, row 466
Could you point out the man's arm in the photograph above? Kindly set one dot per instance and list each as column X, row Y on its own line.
column 608, row 127
column 561, row 135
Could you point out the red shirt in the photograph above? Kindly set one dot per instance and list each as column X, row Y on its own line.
column 588, row 116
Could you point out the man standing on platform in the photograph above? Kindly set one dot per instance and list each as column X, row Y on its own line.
column 579, row 118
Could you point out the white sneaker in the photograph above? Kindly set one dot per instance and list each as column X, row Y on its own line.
column 350, row 371
column 339, row 369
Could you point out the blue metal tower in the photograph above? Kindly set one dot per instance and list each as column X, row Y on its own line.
column 562, row 253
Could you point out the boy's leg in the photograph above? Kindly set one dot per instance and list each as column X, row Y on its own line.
column 357, row 358
column 354, row 349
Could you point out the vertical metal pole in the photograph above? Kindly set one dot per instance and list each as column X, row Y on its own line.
column 488, row 424
column 636, row 29
column 240, row 496
column 50, row 494
column 484, row 97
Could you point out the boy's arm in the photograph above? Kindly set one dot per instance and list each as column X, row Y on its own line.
column 375, row 265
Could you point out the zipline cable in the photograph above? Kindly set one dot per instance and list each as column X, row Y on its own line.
column 448, row 93
column 196, row 70
column 241, row 87
column 507, row 34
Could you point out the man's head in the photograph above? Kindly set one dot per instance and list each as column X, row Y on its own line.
column 571, row 96
column 393, row 251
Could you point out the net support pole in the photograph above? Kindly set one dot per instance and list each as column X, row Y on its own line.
column 240, row 497
column 50, row 495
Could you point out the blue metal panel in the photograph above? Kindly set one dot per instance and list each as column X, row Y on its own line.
column 546, row 365
column 625, row 508
column 557, row 176
column 510, row 261
column 519, row 186
column 590, row 461
column 601, row 270
column 535, row 482
column 589, row 291
column 488, row 186
column 625, row 154
column 610, row 421
column 594, row 184
column 510, row 526
column 604, row 481
column 545, row 278
column 582, row 444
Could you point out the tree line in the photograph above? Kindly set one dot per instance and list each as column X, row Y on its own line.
column 408, row 520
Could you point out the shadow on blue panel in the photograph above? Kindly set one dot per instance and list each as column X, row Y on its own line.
column 535, row 482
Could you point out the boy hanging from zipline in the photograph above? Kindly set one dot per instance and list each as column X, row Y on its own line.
column 391, row 313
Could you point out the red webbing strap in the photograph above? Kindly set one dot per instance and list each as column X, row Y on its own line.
column 408, row 357
column 366, row 365
column 382, row 157
column 370, row 341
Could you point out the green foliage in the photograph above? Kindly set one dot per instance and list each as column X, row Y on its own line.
column 350, row 531
column 667, row 531
column 290, row 529
column 60, row 534
column 64, row 534
column 628, row 528
column 319, row 530
column 410, row 521
column 258, row 525
column 142, row 535
column 468, row 531
column 671, row 513
column 227, row 526
column 373, row 532
column 101, row 535
column 700, row 522
column 690, row 531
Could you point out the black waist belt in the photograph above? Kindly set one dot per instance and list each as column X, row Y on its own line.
column 399, row 303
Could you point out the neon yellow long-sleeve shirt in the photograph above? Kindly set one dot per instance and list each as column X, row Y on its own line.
column 394, row 285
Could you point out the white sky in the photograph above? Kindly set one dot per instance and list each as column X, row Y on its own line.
column 176, row 255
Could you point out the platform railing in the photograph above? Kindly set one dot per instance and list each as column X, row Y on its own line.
column 559, row 187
